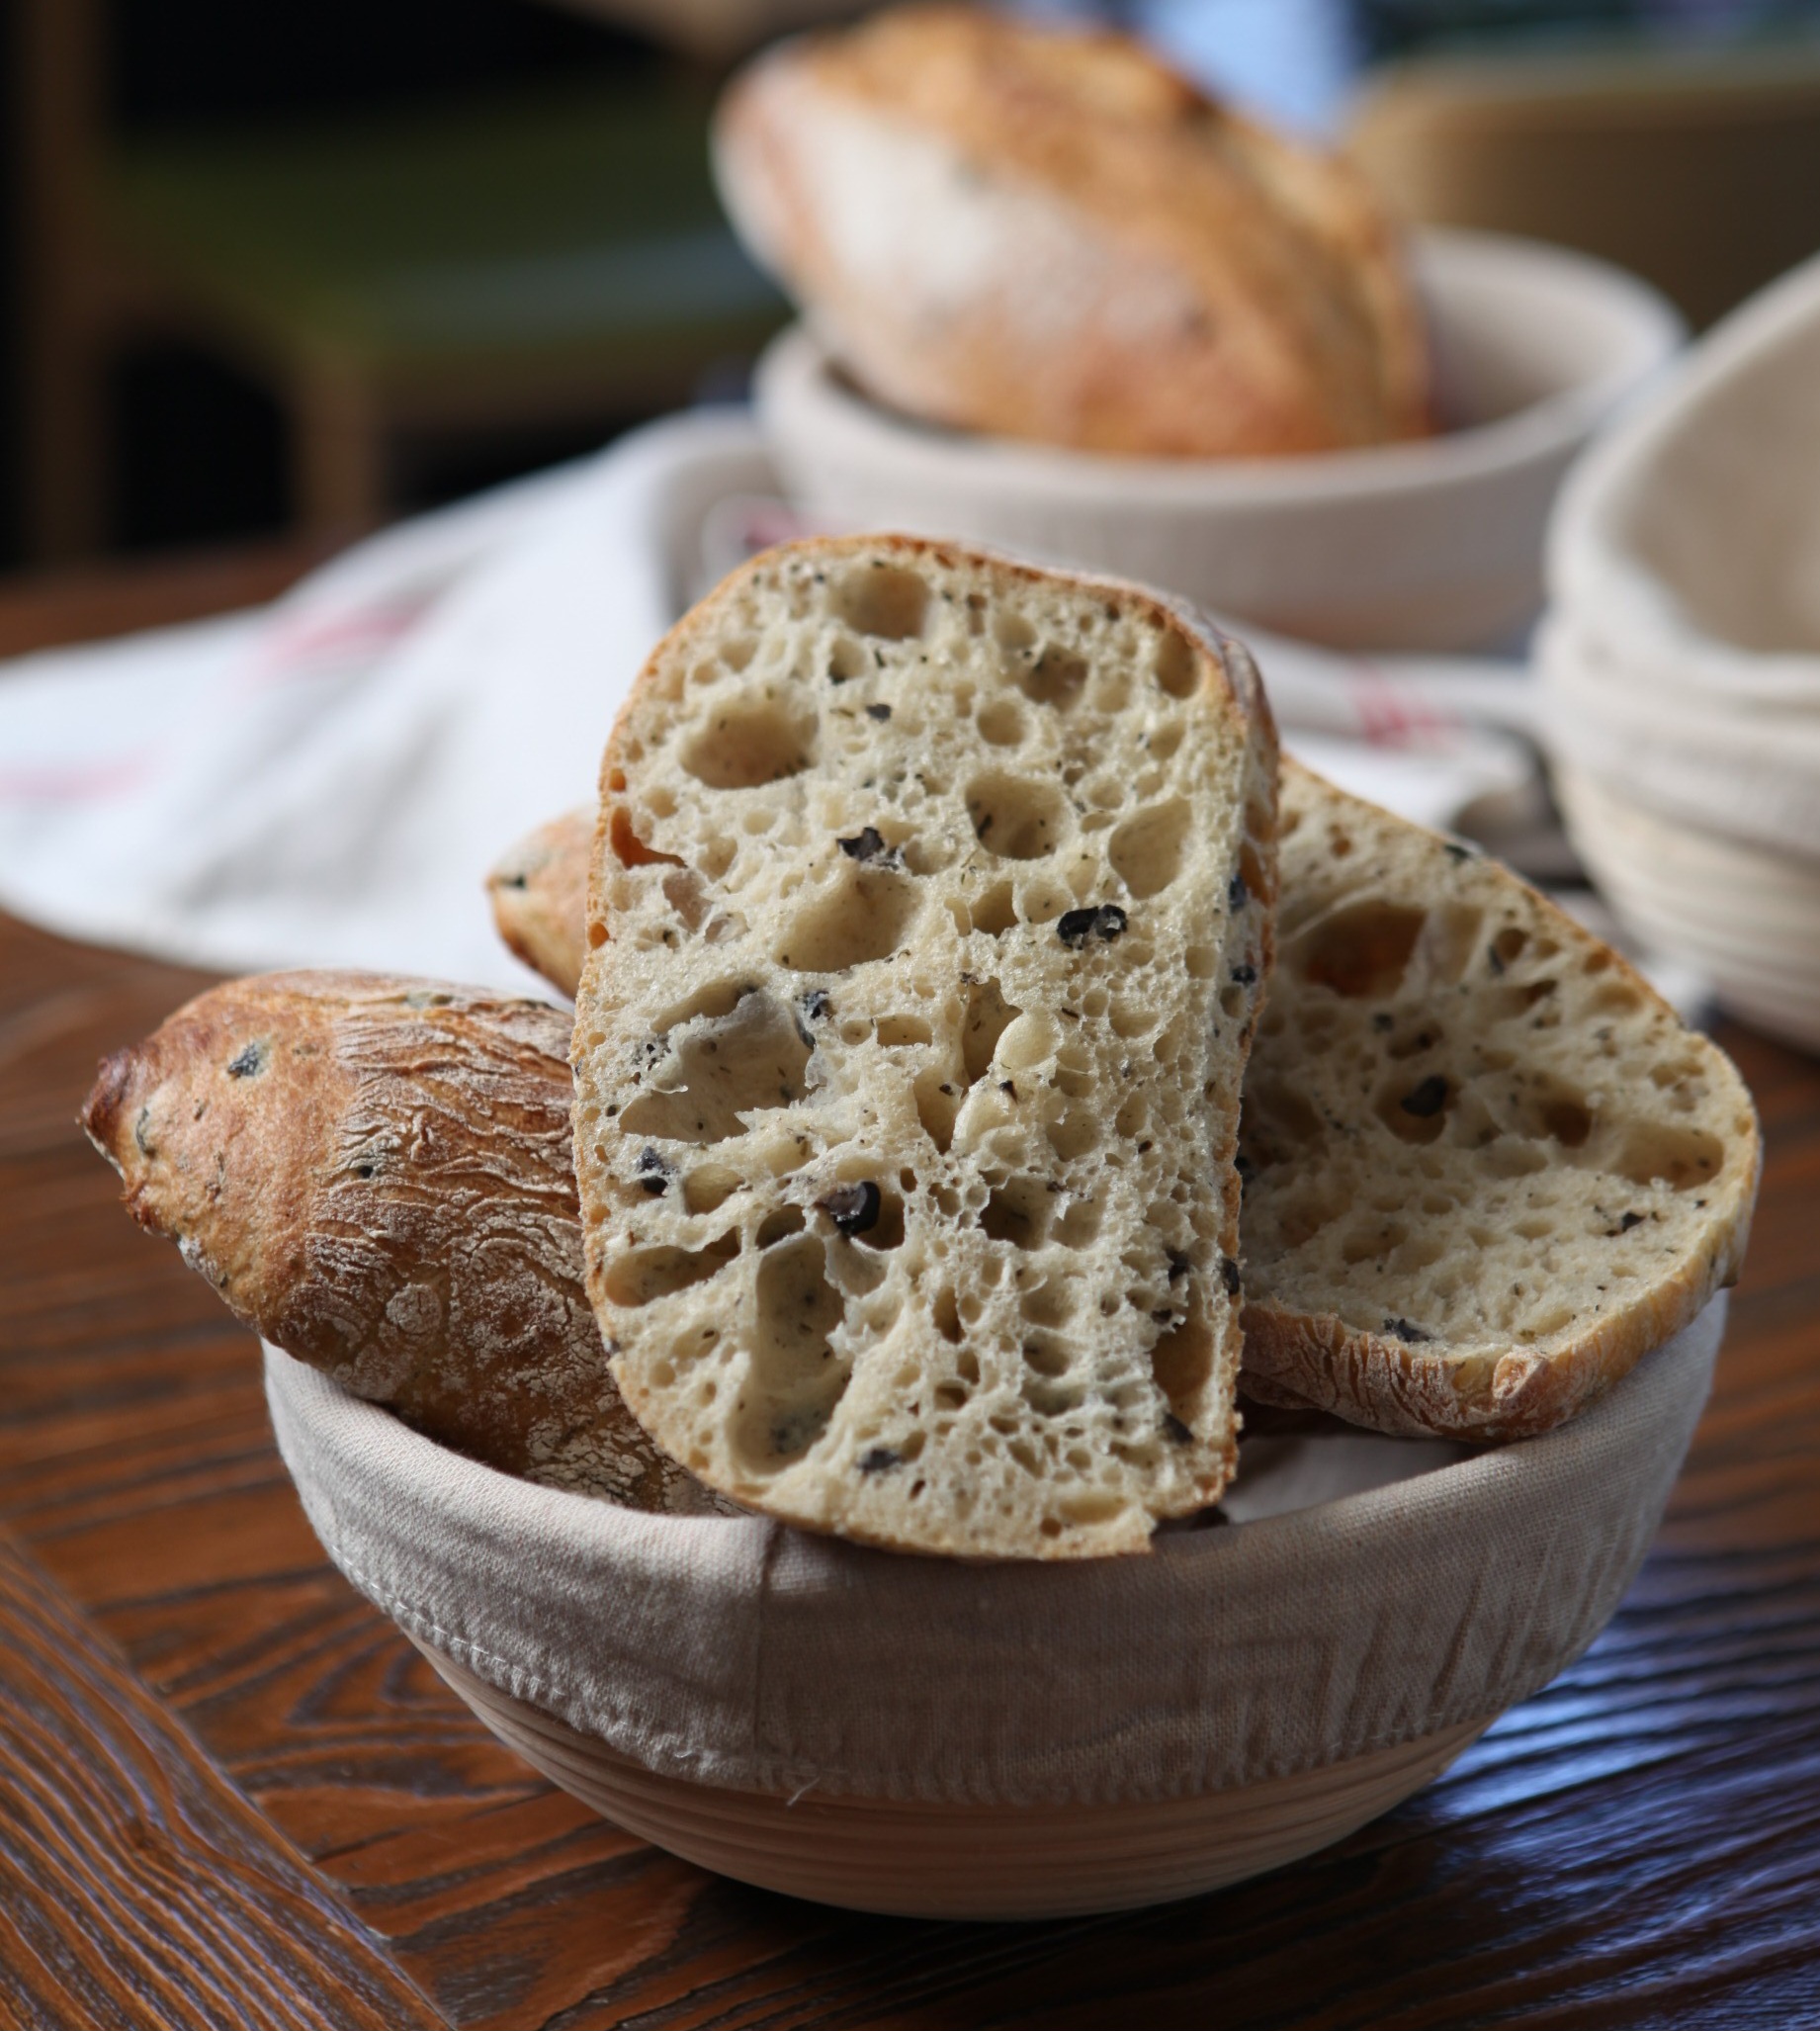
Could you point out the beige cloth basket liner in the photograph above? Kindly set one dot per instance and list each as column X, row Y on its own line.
column 742, row 1654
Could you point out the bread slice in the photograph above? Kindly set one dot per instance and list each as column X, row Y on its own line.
column 930, row 915
column 1050, row 235
column 1487, row 1168
column 376, row 1176
column 1390, row 1278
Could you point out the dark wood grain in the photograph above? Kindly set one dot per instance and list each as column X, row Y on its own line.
column 87, row 602
column 1639, row 1846
column 136, row 1886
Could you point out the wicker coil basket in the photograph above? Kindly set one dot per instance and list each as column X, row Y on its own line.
column 935, row 1738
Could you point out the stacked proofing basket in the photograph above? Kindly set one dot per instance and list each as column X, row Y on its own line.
column 1681, row 662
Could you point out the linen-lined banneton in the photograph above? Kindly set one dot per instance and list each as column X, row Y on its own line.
column 739, row 1654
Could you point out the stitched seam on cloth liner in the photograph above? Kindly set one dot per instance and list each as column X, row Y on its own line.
column 774, row 1545
column 520, row 1683
column 447, row 1640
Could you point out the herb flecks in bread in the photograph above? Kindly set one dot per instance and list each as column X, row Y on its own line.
column 376, row 1174
column 908, row 1050
column 1487, row 1167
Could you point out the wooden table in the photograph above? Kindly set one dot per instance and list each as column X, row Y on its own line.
column 231, row 1794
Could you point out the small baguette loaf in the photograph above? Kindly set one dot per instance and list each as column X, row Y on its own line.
column 930, row 915
column 1050, row 235
column 376, row 1176
column 1487, row 1168
column 1579, row 1188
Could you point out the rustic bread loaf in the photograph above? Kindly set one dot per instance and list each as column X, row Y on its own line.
column 1050, row 235
column 929, row 913
column 376, row 1174
column 1487, row 1168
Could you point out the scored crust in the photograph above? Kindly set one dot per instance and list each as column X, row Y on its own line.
column 1051, row 235
column 375, row 1174
column 1487, row 1167
column 929, row 911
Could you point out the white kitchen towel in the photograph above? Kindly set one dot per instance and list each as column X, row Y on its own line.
column 326, row 781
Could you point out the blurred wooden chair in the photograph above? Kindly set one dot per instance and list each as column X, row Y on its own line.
column 553, row 257
column 1699, row 171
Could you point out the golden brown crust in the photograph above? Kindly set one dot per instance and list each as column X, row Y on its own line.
column 376, row 1174
column 539, row 894
column 1298, row 1362
column 1090, row 252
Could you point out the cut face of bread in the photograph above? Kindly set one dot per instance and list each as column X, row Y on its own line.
column 376, row 1176
column 930, row 915
column 1487, row 1167
column 1382, row 1264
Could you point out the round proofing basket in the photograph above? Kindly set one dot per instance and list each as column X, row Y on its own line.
column 1681, row 654
column 1434, row 545
column 1684, row 543
column 935, row 1738
column 1747, row 919
column 1720, row 765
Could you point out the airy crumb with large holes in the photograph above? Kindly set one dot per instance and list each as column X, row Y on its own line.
column 937, row 892
column 1487, row 1168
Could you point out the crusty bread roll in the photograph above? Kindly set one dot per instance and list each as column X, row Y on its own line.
column 376, row 1176
column 1484, row 1265
column 539, row 894
column 929, row 913
column 1488, row 1168
column 1050, row 235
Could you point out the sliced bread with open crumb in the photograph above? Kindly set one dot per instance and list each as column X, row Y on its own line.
column 1376, row 1258
column 1487, row 1167
column 930, row 915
